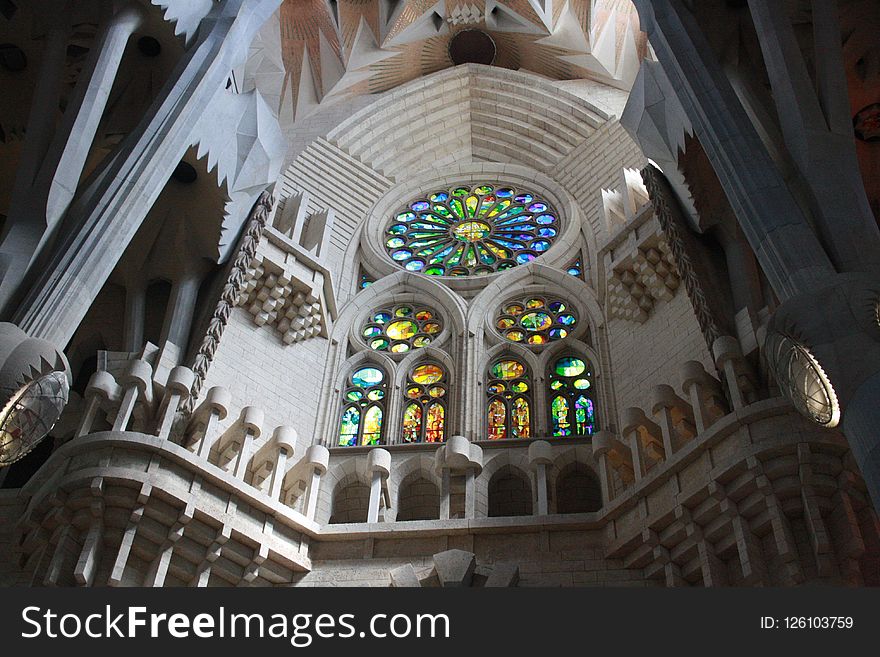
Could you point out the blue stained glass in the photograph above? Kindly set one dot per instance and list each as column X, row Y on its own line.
column 545, row 219
column 420, row 206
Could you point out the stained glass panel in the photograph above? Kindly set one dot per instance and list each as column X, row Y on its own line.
column 399, row 329
column 559, row 413
column 572, row 411
column 470, row 231
column 427, row 374
column 535, row 320
column 348, row 427
column 570, row 366
column 508, row 369
column 412, row 423
column 434, row 427
column 520, row 418
column 497, row 420
column 372, row 426
column 367, row 376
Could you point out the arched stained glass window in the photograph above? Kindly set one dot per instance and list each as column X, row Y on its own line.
column 572, row 405
column 471, row 230
column 424, row 413
column 536, row 320
column 401, row 328
column 508, row 409
column 363, row 408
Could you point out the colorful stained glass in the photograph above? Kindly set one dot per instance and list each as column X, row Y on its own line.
column 412, row 423
column 427, row 374
column 354, row 395
column 367, row 376
column 411, row 328
column 520, row 418
column 520, row 386
column 508, row 369
column 349, row 426
column 559, row 416
column 372, row 426
column 569, row 366
column 572, row 411
column 434, row 423
column 376, row 395
column 470, row 231
column 535, row 320
column 402, row 329
column 413, row 392
column 496, row 388
column 583, row 415
column 436, row 391
column 514, row 309
column 497, row 420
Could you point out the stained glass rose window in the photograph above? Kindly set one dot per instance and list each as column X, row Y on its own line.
column 471, row 230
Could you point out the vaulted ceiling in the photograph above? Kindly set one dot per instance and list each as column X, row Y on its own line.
column 332, row 49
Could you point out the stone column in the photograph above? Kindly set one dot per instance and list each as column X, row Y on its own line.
column 136, row 382
column 540, row 458
column 378, row 467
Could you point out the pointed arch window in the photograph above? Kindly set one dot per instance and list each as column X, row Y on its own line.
column 508, row 408
column 424, row 413
column 363, row 408
column 571, row 397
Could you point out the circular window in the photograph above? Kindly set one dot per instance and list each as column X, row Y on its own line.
column 802, row 379
column 535, row 320
column 399, row 329
column 471, row 231
column 30, row 415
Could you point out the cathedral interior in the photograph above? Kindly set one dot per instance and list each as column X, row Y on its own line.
column 410, row 293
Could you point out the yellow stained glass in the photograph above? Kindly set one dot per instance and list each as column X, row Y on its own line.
column 427, row 374
column 402, row 329
column 471, row 231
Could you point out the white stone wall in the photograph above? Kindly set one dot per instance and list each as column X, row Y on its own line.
column 260, row 370
column 644, row 355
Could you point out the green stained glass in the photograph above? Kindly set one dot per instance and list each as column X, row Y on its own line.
column 583, row 416
column 581, row 384
column 508, row 369
column 520, row 386
column 349, row 426
column 430, row 229
column 559, row 416
column 569, row 367
column 379, row 344
column 557, row 385
column 354, row 395
column 376, row 395
column 536, row 321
